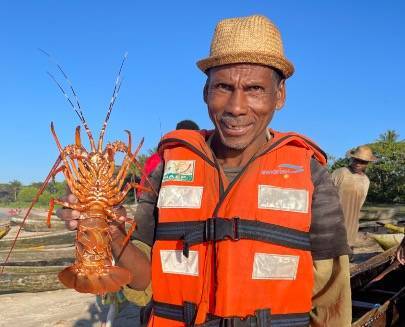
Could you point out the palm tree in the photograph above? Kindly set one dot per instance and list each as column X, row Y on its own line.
column 390, row 136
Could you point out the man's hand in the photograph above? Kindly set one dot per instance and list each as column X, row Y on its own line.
column 69, row 216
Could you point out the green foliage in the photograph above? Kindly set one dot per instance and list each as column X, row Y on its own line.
column 387, row 175
column 6, row 193
column 15, row 186
column 26, row 194
column 338, row 163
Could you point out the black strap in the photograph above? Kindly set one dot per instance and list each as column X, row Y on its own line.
column 217, row 229
column 262, row 317
column 184, row 313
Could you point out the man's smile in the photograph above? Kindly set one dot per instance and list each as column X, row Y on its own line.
column 235, row 130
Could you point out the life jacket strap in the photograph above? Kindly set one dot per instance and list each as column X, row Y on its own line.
column 184, row 313
column 218, row 229
column 261, row 318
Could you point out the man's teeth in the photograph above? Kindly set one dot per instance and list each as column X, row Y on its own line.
column 235, row 126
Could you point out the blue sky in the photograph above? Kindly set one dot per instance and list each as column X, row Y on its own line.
column 348, row 55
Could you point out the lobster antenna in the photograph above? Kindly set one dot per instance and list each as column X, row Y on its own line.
column 77, row 108
column 67, row 79
column 117, row 87
column 66, row 95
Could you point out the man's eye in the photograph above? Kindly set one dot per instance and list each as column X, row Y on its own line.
column 255, row 89
column 223, row 87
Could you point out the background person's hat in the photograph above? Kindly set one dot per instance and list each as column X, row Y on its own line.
column 252, row 39
column 362, row 152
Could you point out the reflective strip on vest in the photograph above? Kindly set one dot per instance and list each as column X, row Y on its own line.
column 174, row 262
column 175, row 196
column 275, row 266
column 277, row 198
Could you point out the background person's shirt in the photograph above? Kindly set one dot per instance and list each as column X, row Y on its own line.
column 352, row 189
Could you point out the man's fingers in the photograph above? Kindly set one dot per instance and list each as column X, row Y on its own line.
column 69, row 198
column 67, row 214
column 71, row 224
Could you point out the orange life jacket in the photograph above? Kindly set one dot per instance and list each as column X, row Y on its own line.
column 238, row 249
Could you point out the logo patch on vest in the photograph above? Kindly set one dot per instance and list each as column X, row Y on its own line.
column 174, row 262
column 286, row 199
column 179, row 170
column 284, row 169
column 176, row 196
column 275, row 266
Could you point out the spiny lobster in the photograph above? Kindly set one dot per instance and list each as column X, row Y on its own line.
column 91, row 177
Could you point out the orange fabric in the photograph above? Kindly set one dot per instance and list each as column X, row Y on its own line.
column 229, row 289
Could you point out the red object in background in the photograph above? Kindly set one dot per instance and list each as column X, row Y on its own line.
column 150, row 165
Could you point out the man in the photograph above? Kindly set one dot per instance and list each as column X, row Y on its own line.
column 353, row 183
column 250, row 230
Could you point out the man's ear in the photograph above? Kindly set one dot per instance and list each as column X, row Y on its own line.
column 205, row 92
column 280, row 95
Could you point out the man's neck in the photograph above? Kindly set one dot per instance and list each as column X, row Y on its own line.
column 359, row 172
column 233, row 158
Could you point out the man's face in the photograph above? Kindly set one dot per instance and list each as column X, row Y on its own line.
column 358, row 166
column 241, row 100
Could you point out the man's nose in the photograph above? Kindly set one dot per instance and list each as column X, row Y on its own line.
column 237, row 104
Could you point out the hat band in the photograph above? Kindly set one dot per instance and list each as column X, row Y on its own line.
column 250, row 57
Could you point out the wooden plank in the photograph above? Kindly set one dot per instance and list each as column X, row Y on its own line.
column 30, row 279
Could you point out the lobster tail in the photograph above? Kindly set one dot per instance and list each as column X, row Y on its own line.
column 93, row 271
column 110, row 279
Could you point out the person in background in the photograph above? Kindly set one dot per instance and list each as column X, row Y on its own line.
column 352, row 184
column 153, row 161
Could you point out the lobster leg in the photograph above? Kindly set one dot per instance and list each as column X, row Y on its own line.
column 40, row 191
column 129, row 220
column 51, row 201
column 121, row 196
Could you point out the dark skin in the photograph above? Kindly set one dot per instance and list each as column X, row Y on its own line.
column 241, row 100
column 358, row 166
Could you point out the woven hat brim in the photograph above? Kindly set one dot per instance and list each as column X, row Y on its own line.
column 353, row 155
column 279, row 63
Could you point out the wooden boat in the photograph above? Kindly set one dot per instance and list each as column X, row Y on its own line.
column 39, row 239
column 387, row 241
column 35, row 269
column 379, row 213
column 378, row 291
column 50, row 255
column 38, row 223
column 4, row 229
column 30, row 279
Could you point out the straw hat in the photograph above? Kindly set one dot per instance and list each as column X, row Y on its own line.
column 252, row 39
column 362, row 152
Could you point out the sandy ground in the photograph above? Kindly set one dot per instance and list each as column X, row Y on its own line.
column 62, row 308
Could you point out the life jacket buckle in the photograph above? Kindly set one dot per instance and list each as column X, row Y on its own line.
column 217, row 229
